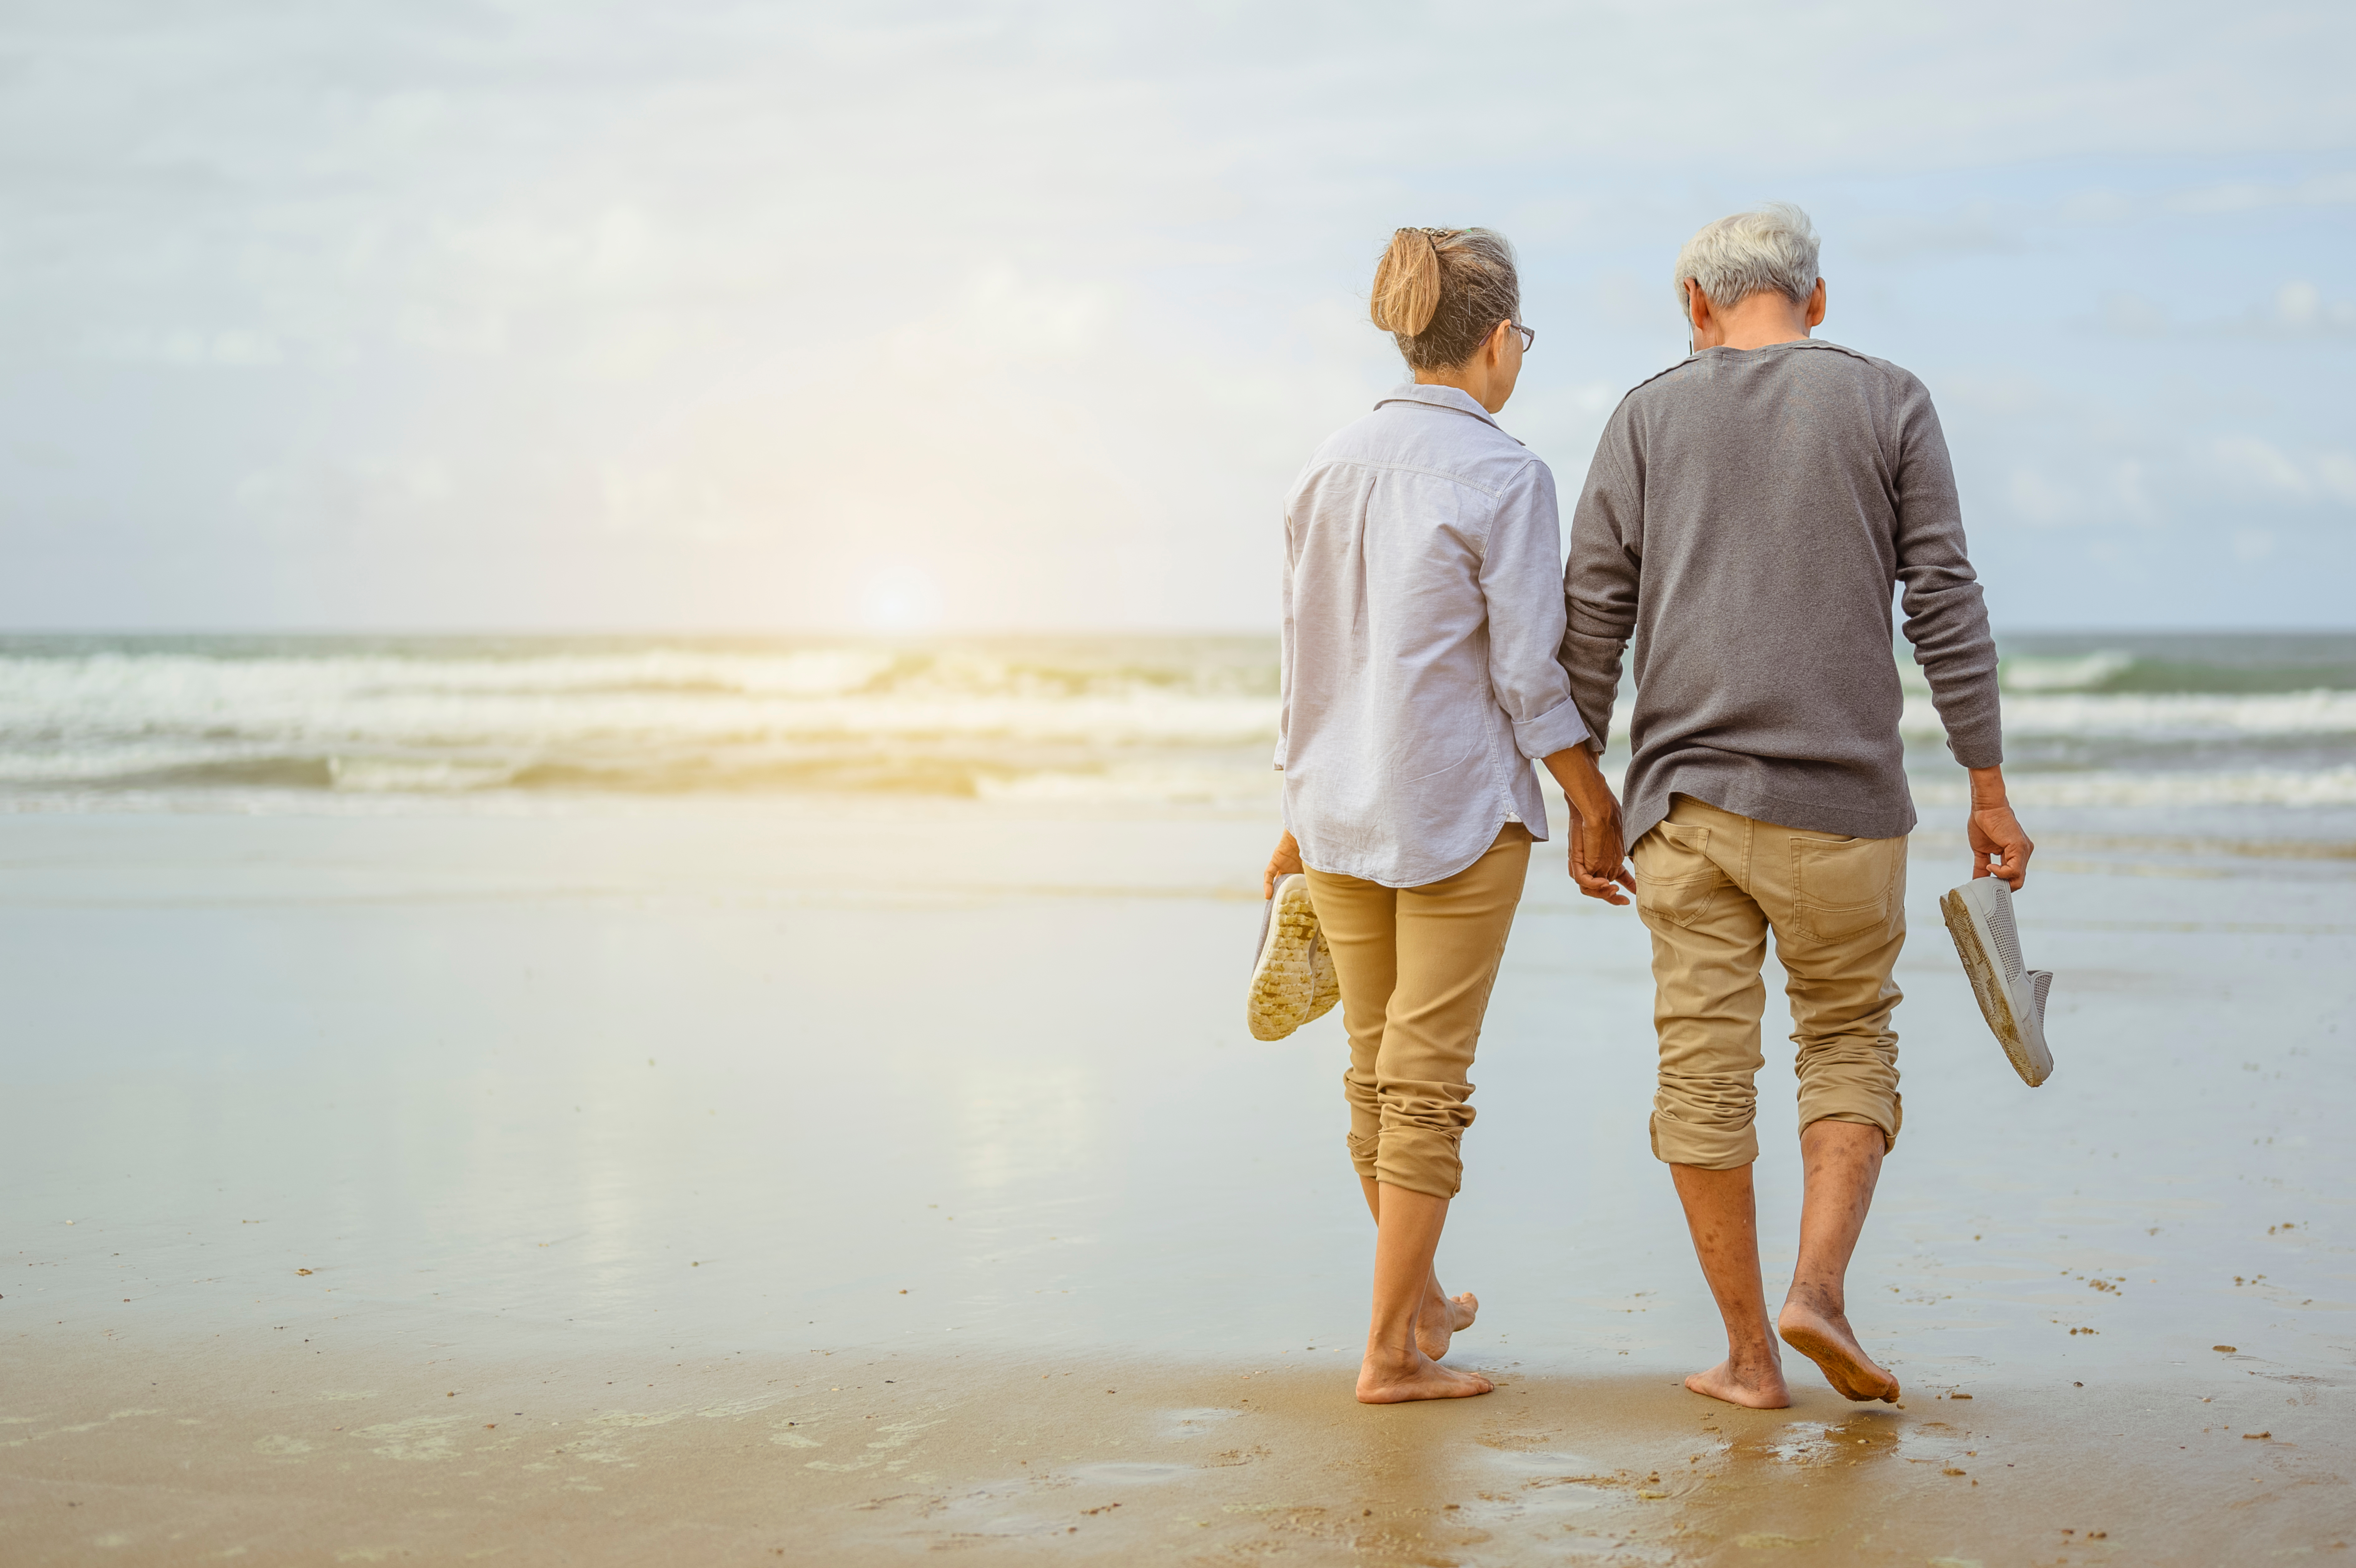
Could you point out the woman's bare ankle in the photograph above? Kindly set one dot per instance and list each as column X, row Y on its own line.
column 1390, row 1376
column 1441, row 1317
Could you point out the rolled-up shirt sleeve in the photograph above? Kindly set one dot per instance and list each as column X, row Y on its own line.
column 1519, row 560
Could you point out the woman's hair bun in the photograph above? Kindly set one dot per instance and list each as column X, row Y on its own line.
column 1407, row 281
column 1440, row 293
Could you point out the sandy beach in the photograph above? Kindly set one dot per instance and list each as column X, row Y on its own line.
column 650, row 653
column 840, row 1180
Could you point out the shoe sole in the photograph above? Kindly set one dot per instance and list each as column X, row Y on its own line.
column 1976, row 946
column 1286, row 982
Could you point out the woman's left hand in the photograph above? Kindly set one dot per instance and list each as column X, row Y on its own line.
column 1285, row 862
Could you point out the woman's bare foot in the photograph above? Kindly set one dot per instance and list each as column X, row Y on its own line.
column 1753, row 1385
column 1824, row 1338
column 1442, row 1316
column 1391, row 1378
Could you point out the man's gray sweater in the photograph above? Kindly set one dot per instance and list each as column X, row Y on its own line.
column 1745, row 518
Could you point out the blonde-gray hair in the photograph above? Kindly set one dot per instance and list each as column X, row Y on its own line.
column 1440, row 292
column 1771, row 248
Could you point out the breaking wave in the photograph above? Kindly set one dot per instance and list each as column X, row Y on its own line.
column 1079, row 722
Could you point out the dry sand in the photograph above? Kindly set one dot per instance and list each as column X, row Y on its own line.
column 840, row 1186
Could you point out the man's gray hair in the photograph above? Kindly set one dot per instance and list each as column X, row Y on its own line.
column 1772, row 247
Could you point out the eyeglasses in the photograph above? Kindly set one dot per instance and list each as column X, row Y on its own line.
column 1529, row 335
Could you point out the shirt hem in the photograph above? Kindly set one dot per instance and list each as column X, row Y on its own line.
column 1391, row 878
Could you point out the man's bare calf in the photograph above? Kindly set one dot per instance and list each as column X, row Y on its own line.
column 1843, row 1160
column 1724, row 1219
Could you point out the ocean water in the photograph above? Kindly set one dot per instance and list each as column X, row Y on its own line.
column 2258, row 723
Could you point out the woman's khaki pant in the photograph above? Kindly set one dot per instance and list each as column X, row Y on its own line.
column 1416, row 966
column 1711, row 884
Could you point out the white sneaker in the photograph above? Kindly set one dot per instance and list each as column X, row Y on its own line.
column 2012, row 996
column 1292, row 978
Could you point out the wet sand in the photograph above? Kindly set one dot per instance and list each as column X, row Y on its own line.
column 838, row 1185
column 879, row 1456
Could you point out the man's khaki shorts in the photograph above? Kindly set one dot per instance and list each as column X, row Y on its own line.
column 1710, row 885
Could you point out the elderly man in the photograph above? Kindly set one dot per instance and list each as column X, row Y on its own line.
column 1747, row 517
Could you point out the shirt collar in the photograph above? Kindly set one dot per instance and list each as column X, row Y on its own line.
column 1449, row 398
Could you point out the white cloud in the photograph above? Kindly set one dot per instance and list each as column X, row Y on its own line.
column 2335, row 474
column 347, row 497
column 2294, row 309
column 2300, row 308
column 2247, row 196
column 227, row 348
column 2253, row 461
column 2130, row 315
column 2261, row 463
column 2128, row 492
column 2044, row 499
column 1976, row 229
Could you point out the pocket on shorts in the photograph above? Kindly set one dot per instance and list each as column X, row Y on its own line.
column 1844, row 887
column 1676, row 877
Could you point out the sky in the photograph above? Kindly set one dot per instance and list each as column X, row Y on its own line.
column 904, row 317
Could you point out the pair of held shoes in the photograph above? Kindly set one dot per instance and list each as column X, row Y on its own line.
column 1292, row 979
column 1293, row 982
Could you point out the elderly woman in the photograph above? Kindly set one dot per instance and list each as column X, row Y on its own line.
column 1422, row 612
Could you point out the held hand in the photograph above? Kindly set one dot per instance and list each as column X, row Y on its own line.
column 1598, row 858
column 1996, row 834
column 1285, row 862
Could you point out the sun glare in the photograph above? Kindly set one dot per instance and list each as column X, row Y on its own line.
column 900, row 600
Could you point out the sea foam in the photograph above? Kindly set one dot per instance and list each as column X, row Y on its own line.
column 1128, row 720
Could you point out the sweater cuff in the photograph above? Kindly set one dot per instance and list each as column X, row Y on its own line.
column 1978, row 741
column 1558, row 729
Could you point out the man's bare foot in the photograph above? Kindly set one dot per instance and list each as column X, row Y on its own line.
column 1442, row 1316
column 1824, row 1338
column 1391, row 1378
column 1759, row 1387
